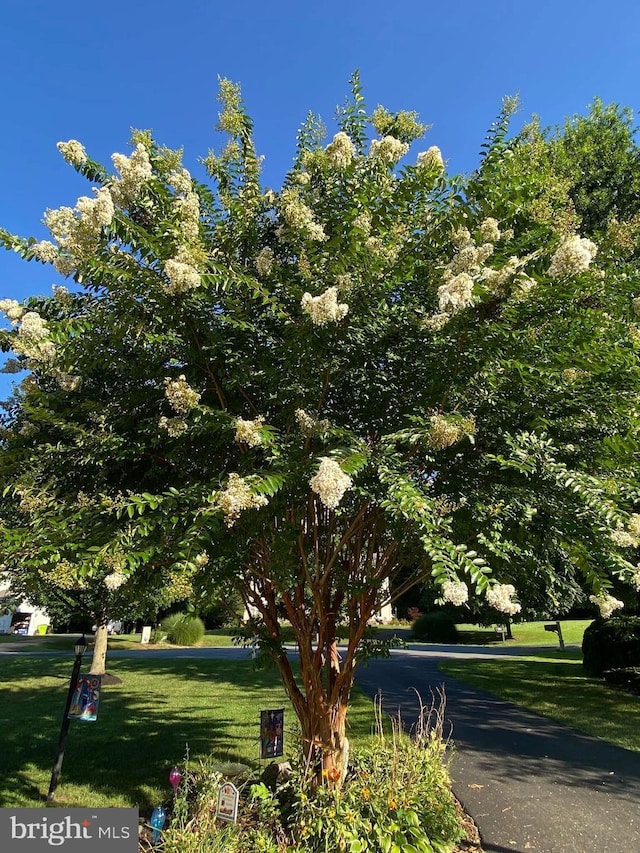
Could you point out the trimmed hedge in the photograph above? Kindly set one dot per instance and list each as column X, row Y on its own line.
column 435, row 627
column 611, row 644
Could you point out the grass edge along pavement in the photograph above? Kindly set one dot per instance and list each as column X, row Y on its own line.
column 525, row 633
column 557, row 687
column 144, row 726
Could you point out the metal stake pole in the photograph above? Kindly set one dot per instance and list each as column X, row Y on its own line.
column 64, row 729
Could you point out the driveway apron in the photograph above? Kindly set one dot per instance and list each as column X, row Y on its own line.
column 529, row 783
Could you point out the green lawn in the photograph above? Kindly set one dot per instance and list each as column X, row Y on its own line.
column 558, row 687
column 526, row 633
column 64, row 642
column 144, row 726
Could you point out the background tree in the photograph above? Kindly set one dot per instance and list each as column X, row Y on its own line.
column 302, row 393
column 582, row 178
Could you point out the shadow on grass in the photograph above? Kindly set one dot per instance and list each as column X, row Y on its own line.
column 144, row 725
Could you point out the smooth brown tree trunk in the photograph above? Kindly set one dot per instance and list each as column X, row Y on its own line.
column 99, row 661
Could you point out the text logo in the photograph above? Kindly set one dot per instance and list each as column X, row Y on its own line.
column 69, row 830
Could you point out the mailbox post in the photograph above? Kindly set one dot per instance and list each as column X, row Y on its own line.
column 555, row 627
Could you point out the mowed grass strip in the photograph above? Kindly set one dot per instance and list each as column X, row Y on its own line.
column 525, row 633
column 559, row 689
column 145, row 725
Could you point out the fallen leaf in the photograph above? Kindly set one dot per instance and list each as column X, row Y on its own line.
column 475, row 787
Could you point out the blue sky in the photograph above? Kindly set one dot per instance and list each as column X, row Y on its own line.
column 91, row 71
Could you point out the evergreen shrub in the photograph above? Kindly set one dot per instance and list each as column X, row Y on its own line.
column 435, row 627
column 611, row 644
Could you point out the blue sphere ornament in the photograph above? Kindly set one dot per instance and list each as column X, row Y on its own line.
column 157, row 819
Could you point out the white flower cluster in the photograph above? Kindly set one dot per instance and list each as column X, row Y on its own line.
column 500, row 596
column 187, row 209
column 522, row 286
column 489, row 230
column 341, row 151
column 12, row 309
column 45, row 251
column 497, row 280
column 444, row 432
column 435, row 322
column 468, row 257
column 182, row 275
column 324, row 308
column 97, row 212
column 389, row 149
column 623, row 538
column 299, row 217
column 33, row 338
column 76, row 230
column 73, row 152
column 62, row 295
column 363, row 222
column 114, row 581
column 633, row 525
column 238, row 497
column 466, row 265
column 135, row 171
column 180, row 180
column 455, row 294
column 430, row 160
column 201, row 559
column 68, row 381
column 174, row 427
column 249, row 431
column 181, row 396
column 265, row 261
column 635, row 305
column 385, row 252
column 606, row 603
column 310, row 426
column 330, row 483
column 455, row 592
column 634, row 580
column 574, row 255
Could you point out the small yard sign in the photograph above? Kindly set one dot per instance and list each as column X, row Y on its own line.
column 228, row 802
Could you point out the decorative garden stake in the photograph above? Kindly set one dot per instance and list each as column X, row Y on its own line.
column 174, row 778
column 78, row 649
column 157, row 819
column 271, row 728
column 227, row 808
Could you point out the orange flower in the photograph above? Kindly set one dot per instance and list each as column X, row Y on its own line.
column 366, row 794
column 333, row 774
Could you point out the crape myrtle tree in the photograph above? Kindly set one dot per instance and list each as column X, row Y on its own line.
column 301, row 393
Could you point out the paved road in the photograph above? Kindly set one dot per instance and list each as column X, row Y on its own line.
column 529, row 783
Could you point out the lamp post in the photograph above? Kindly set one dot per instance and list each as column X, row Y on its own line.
column 78, row 649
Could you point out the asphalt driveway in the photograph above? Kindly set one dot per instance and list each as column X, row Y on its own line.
column 529, row 783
